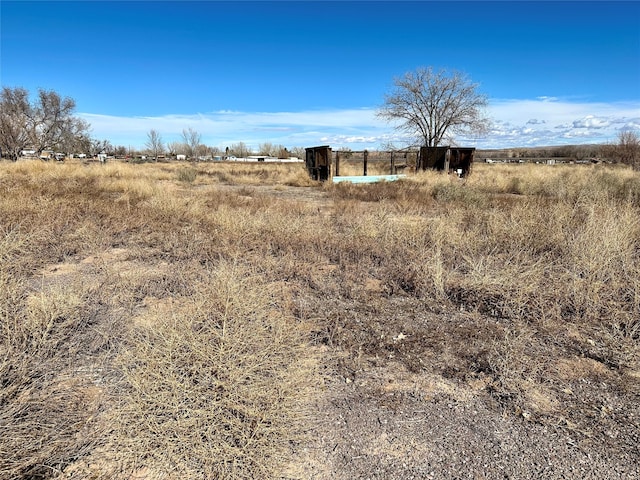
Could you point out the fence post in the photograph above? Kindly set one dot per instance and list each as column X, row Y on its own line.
column 337, row 164
column 393, row 165
column 366, row 157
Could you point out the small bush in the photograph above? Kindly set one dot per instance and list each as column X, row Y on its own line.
column 213, row 390
column 456, row 193
column 187, row 175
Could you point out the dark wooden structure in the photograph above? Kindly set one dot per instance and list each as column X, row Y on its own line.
column 318, row 161
column 449, row 159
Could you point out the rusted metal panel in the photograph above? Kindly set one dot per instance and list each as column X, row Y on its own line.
column 456, row 159
column 318, row 161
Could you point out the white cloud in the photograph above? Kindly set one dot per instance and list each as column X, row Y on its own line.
column 224, row 127
column 552, row 121
column 633, row 124
column 591, row 121
column 529, row 122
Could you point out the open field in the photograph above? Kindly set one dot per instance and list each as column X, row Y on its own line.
column 171, row 321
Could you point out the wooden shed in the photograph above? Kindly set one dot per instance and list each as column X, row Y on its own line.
column 449, row 159
column 318, row 160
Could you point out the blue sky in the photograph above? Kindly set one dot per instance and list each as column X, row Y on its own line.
column 307, row 73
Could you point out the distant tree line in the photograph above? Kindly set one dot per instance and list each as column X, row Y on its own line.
column 47, row 122
column 191, row 146
column 44, row 123
column 626, row 150
column 428, row 105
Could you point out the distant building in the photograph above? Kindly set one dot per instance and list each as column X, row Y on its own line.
column 28, row 153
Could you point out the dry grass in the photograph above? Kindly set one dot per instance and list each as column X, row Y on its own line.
column 549, row 273
column 48, row 410
column 159, row 320
column 102, row 379
column 212, row 386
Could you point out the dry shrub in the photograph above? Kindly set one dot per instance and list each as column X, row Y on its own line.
column 397, row 191
column 48, row 406
column 214, row 387
column 298, row 177
column 603, row 291
column 255, row 173
column 187, row 175
column 456, row 193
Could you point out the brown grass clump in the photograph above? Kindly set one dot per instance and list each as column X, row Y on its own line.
column 48, row 409
column 211, row 385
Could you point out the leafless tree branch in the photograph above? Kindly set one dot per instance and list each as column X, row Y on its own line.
column 432, row 105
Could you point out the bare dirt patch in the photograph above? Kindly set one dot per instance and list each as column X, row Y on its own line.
column 386, row 414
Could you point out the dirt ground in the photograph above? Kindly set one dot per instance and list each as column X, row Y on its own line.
column 390, row 424
column 375, row 419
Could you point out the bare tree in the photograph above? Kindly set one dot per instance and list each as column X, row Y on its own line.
column 47, row 123
column 100, row 146
column 154, row 143
column 282, row 152
column 75, row 138
column 298, row 152
column 432, row 105
column 628, row 148
column 14, row 120
column 52, row 120
column 120, row 151
column 240, row 149
column 173, row 148
column 191, row 140
column 266, row 148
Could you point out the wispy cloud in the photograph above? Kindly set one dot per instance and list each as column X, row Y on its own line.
column 225, row 127
column 529, row 122
column 552, row 121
